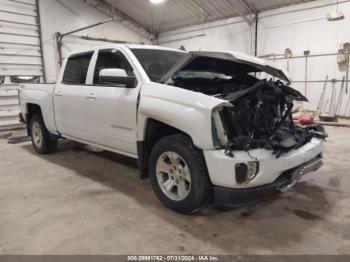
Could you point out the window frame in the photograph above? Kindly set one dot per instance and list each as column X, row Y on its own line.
column 91, row 71
column 87, row 72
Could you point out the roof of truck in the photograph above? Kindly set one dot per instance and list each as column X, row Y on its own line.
column 131, row 46
column 136, row 46
column 225, row 54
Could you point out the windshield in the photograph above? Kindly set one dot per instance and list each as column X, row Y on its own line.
column 157, row 62
column 212, row 75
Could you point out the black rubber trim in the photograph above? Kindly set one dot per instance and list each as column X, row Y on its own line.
column 236, row 197
column 21, row 118
column 142, row 159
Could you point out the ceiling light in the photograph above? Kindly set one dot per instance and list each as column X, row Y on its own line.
column 156, row 2
column 335, row 16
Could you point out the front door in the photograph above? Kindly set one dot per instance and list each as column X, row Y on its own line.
column 111, row 110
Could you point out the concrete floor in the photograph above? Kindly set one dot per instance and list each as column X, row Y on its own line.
column 79, row 202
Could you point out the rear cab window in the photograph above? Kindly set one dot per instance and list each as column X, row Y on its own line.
column 76, row 69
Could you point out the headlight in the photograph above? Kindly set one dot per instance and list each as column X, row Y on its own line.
column 219, row 135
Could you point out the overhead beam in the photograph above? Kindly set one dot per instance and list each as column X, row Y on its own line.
column 87, row 27
column 241, row 14
column 201, row 6
column 121, row 17
column 250, row 7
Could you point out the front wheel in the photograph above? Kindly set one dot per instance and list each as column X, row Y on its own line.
column 178, row 174
column 42, row 141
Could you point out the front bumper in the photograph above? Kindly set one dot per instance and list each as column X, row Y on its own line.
column 221, row 168
column 237, row 197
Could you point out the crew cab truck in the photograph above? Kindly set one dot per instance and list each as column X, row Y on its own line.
column 204, row 126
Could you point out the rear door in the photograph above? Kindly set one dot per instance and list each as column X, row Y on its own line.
column 70, row 97
column 111, row 110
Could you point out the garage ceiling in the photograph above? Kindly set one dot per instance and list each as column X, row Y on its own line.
column 173, row 14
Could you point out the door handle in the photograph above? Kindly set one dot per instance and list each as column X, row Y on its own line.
column 91, row 97
column 58, row 94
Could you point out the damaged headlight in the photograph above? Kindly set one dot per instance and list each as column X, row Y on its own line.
column 219, row 135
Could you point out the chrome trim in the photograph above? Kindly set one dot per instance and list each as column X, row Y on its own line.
column 299, row 172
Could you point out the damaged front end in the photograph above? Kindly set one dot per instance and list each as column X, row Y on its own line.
column 261, row 117
column 261, row 111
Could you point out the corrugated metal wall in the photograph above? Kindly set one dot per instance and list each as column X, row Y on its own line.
column 20, row 54
column 9, row 107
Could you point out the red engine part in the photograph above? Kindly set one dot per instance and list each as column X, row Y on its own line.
column 306, row 120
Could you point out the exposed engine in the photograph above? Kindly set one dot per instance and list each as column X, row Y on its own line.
column 261, row 116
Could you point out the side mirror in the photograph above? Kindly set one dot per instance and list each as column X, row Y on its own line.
column 116, row 76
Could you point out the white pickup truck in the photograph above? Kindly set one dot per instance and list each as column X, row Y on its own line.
column 204, row 126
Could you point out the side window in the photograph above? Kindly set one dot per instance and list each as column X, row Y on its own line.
column 76, row 69
column 111, row 58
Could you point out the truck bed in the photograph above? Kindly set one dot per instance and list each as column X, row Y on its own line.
column 41, row 95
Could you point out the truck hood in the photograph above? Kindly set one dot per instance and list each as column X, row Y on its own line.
column 175, row 95
column 230, row 60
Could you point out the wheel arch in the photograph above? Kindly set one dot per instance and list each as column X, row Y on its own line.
column 31, row 110
column 154, row 130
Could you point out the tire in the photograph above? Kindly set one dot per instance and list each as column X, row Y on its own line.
column 187, row 188
column 42, row 141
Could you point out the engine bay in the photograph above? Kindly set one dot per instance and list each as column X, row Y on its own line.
column 261, row 116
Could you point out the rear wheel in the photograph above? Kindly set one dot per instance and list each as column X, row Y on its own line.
column 178, row 174
column 42, row 141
